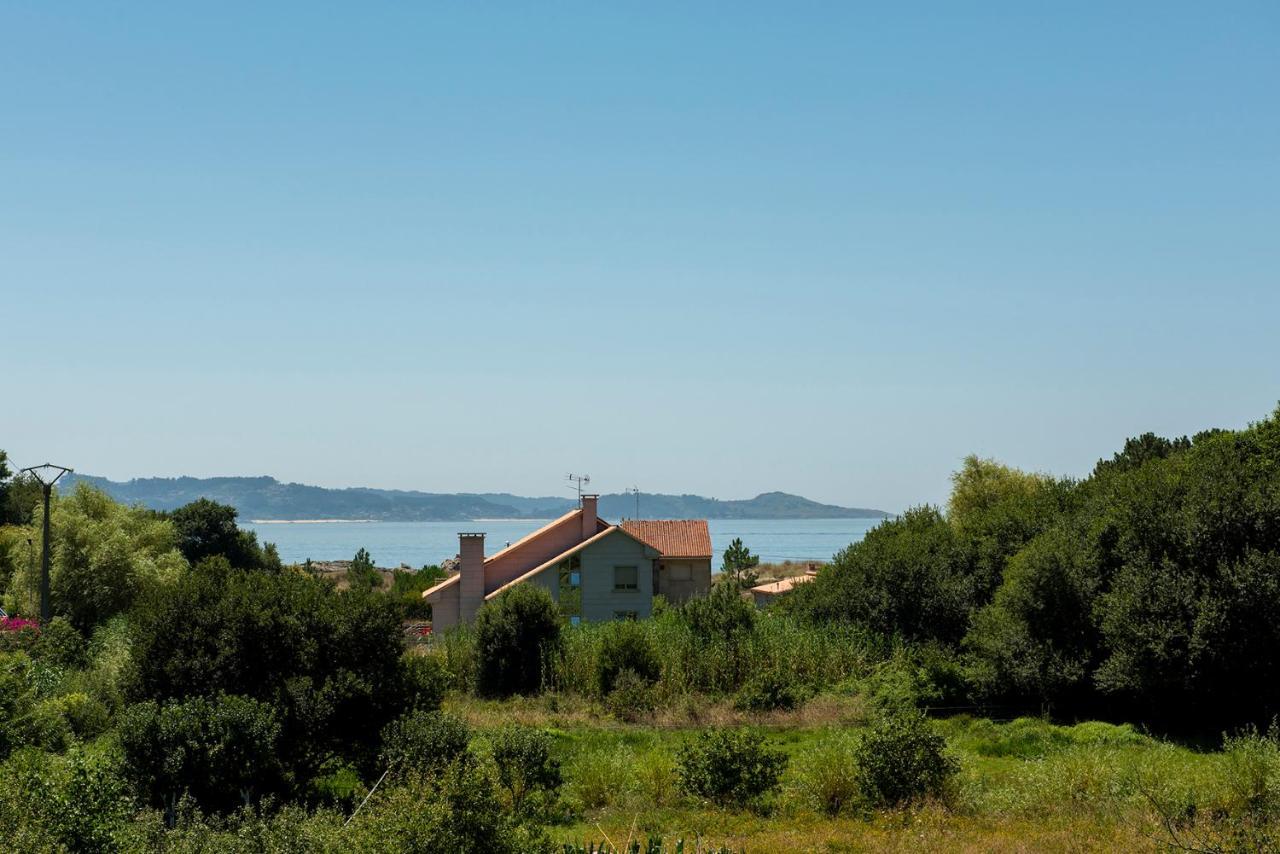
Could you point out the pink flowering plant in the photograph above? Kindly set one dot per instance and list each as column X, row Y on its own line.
column 17, row 632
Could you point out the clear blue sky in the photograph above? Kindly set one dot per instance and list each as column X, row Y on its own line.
column 829, row 249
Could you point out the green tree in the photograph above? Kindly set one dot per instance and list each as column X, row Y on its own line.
column 206, row 529
column 907, row 578
column 527, row 771
column 995, row 510
column 740, row 564
column 362, row 575
column 516, row 635
column 104, row 555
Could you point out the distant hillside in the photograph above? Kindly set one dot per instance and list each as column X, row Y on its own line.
column 268, row 498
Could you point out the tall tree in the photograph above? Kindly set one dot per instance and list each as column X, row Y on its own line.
column 740, row 564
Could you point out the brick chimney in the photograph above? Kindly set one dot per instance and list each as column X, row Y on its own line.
column 471, row 585
column 589, row 515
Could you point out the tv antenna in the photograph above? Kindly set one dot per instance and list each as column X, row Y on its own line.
column 635, row 490
column 579, row 481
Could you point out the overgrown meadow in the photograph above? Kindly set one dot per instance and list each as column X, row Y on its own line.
column 1043, row 664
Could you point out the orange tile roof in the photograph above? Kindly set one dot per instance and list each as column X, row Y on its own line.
column 673, row 537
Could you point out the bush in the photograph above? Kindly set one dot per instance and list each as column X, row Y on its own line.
column 729, row 767
column 597, row 774
column 338, row 785
column 426, row 681
column 330, row 663
column 768, row 692
column 455, row 813
column 625, row 646
column 721, row 615
column 61, row 645
column 516, row 635
column 631, row 698
column 825, row 776
column 526, row 769
column 220, row 751
column 1253, row 772
column 424, row 741
column 902, row 759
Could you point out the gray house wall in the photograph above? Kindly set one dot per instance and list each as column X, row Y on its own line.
column 683, row 579
column 599, row 600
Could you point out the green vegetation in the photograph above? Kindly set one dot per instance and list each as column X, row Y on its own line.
column 740, row 564
column 932, row 689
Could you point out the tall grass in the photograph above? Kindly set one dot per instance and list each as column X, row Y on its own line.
column 815, row 656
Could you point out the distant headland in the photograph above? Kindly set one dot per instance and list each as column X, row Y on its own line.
column 267, row 499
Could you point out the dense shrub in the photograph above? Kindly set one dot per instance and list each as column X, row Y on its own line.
column 729, row 767
column 425, row 681
column 423, row 742
column 1157, row 586
column 515, row 637
column 221, row 751
column 768, row 692
column 77, row 802
column 330, row 663
column 61, row 645
column 722, row 615
column 902, row 758
column 625, row 646
column 527, row 772
column 631, row 698
column 459, row 811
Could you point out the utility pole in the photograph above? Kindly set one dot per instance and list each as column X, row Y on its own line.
column 635, row 490
column 48, row 474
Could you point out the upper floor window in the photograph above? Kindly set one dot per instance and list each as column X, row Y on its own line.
column 626, row 578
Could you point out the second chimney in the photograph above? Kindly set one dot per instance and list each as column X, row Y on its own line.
column 589, row 516
column 471, row 585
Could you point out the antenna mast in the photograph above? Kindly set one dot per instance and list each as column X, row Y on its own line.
column 579, row 481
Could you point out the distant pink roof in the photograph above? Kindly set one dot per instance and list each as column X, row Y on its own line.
column 774, row 588
column 673, row 537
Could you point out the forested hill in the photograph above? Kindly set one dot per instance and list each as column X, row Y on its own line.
column 268, row 498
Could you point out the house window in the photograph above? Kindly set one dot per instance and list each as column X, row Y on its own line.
column 574, row 620
column 570, row 598
column 626, row 578
column 626, row 615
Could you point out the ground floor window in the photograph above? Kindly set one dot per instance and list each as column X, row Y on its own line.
column 626, row 615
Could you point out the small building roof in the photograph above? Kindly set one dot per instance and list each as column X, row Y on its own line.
column 674, row 538
column 774, row 588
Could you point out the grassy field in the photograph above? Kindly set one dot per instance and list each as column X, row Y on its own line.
column 1024, row 785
